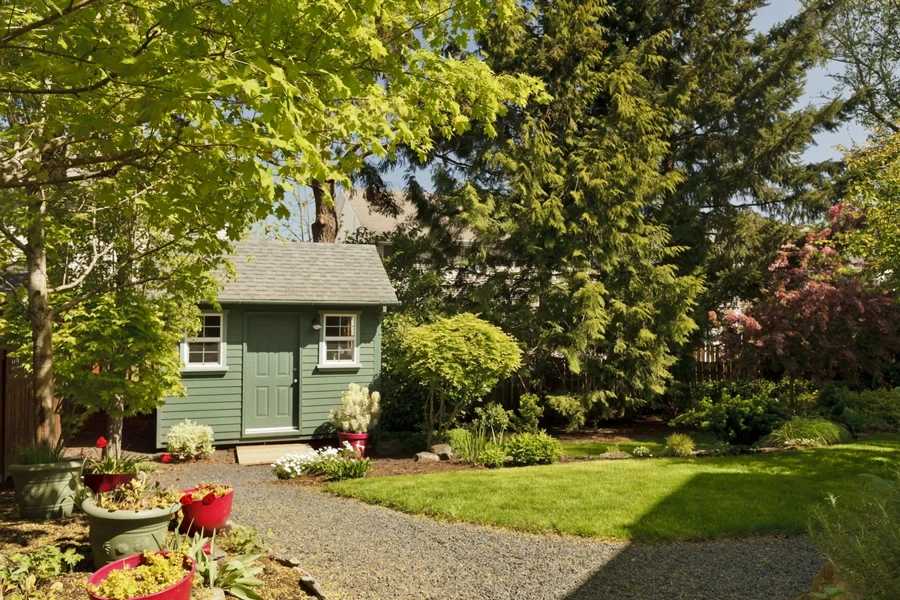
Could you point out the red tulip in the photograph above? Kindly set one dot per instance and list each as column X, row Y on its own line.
column 165, row 458
column 208, row 499
column 101, row 442
column 186, row 499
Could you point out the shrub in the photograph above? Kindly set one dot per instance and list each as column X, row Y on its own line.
column 358, row 412
column 861, row 411
column 642, row 452
column 355, row 468
column 495, row 420
column 679, row 444
column 470, row 443
column 809, row 431
column 534, row 448
column 458, row 438
column 530, row 413
column 492, row 457
column 735, row 419
column 190, row 440
column 725, row 449
column 860, row 535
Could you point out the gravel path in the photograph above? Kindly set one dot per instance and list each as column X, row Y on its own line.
column 358, row 551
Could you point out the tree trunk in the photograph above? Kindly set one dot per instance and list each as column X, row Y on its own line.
column 114, row 421
column 325, row 227
column 46, row 429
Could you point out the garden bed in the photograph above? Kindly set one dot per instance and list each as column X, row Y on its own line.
column 17, row 535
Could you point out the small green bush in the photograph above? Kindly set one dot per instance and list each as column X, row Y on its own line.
column 725, row 449
column 534, row 448
column 339, row 470
column 867, row 410
column 679, row 444
column 458, row 438
column 190, row 440
column 494, row 418
column 530, row 413
column 642, row 452
column 493, row 457
column 736, row 419
column 809, row 431
column 860, row 535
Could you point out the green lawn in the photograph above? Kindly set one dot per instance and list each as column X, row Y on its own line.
column 587, row 448
column 656, row 500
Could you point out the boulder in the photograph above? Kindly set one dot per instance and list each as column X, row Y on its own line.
column 444, row 451
column 427, row 457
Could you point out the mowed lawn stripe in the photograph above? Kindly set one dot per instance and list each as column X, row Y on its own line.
column 658, row 500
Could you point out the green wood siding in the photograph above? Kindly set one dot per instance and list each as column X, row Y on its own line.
column 216, row 399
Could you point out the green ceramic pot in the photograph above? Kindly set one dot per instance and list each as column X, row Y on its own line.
column 122, row 533
column 46, row 491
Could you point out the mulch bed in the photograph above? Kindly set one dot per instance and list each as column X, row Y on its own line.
column 18, row 535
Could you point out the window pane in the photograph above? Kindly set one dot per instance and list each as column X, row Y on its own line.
column 339, row 350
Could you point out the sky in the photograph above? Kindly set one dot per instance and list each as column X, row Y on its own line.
column 819, row 85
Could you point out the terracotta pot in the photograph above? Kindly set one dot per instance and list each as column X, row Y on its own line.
column 46, row 491
column 117, row 534
column 205, row 518
column 179, row 591
column 105, row 482
column 357, row 441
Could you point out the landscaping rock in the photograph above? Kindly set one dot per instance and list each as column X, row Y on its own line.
column 427, row 456
column 444, row 451
column 311, row 587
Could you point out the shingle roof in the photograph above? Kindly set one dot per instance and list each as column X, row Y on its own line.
column 292, row 272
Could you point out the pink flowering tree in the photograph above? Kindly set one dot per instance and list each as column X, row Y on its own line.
column 821, row 319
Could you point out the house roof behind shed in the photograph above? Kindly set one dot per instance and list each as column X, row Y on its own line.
column 273, row 272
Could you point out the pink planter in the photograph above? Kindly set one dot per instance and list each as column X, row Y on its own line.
column 102, row 482
column 205, row 518
column 357, row 441
column 179, row 591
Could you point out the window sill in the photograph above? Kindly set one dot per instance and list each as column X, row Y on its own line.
column 338, row 367
column 204, row 369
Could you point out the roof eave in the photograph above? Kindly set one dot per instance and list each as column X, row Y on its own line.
column 308, row 302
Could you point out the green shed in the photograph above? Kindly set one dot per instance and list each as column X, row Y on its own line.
column 298, row 324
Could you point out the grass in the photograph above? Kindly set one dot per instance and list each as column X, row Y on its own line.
column 589, row 448
column 659, row 500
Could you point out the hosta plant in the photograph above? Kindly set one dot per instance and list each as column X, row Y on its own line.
column 190, row 440
column 358, row 412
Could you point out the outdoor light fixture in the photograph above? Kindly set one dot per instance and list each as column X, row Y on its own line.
column 316, row 325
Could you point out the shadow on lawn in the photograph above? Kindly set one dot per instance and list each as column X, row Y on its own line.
column 764, row 568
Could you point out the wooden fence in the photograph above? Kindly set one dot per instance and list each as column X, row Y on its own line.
column 17, row 414
column 711, row 364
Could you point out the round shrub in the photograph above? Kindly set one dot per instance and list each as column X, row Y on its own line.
column 736, row 419
column 492, row 457
column 190, row 440
column 534, row 448
column 809, row 431
column 679, row 444
column 642, row 452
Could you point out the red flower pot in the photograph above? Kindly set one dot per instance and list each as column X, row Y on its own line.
column 206, row 518
column 357, row 441
column 179, row 591
column 103, row 482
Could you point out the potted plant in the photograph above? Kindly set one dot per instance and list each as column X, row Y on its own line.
column 45, row 482
column 132, row 518
column 358, row 413
column 110, row 471
column 151, row 575
column 205, row 508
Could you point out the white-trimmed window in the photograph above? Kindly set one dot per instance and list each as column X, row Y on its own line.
column 207, row 349
column 339, row 342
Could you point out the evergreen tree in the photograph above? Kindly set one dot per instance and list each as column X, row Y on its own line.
column 669, row 131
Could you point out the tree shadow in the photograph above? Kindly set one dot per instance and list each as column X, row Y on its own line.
column 767, row 508
column 23, row 535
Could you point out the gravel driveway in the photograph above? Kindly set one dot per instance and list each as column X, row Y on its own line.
column 361, row 552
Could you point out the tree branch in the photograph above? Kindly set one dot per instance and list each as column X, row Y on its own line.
column 71, row 8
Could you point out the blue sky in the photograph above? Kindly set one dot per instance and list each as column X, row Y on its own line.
column 819, row 85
